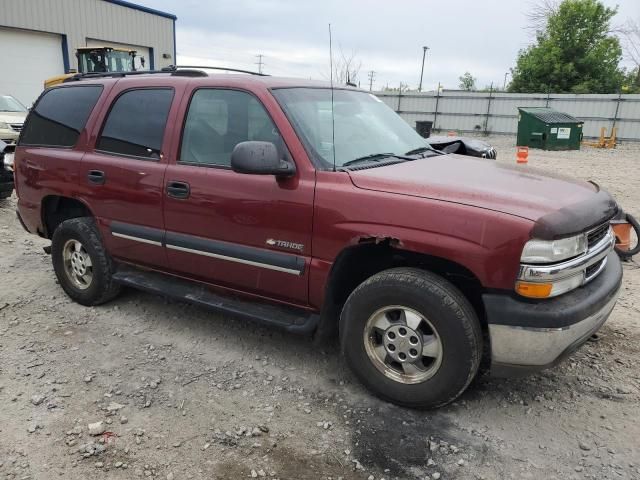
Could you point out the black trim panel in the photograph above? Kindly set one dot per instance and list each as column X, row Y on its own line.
column 239, row 252
column 559, row 312
column 145, row 233
column 203, row 246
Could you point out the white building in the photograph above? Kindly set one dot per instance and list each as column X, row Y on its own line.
column 38, row 38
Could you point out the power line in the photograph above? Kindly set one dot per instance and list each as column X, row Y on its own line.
column 372, row 76
column 260, row 63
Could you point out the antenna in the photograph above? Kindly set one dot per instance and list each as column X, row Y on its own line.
column 333, row 120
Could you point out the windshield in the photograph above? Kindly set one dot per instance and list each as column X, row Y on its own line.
column 100, row 61
column 10, row 104
column 120, row 61
column 364, row 125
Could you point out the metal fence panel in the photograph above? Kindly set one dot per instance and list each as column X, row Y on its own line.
column 493, row 112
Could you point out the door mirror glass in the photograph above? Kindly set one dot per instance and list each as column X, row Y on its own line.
column 260, row 158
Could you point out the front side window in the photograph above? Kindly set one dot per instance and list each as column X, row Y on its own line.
column 59, row 116
column 364, row 125
column 135, row 125
column 218, row 120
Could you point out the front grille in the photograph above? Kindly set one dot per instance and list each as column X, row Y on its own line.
column 597, row 234
column 490, row 153
column 16, row 126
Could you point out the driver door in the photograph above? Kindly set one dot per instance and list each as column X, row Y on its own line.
column 250, row 233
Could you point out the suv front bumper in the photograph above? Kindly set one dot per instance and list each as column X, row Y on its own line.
column 528, row 335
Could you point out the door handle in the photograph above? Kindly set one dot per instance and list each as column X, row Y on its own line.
column 96, row 177
column 178, row 189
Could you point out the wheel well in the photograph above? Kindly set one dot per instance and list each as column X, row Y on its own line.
column 355, row 264
column 56, row 209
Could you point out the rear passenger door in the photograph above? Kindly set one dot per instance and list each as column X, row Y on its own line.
column 123, row 174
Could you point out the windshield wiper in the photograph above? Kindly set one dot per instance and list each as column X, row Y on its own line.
column 374, row 157
column 418, row 150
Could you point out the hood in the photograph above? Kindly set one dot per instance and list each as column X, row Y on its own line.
column 13, row 117
column 512, row 189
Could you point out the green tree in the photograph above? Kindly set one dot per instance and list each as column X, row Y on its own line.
column 574, row 53
column 631, row 82
column 467, row 82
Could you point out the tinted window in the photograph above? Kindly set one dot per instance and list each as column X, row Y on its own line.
column 136, row 122
column 59, row 116
column 220, row 119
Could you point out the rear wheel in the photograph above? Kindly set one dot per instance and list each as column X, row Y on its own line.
column 411, row 337
column 82, row 265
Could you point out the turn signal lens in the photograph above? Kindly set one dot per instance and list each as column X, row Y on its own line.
column 534, row 290
column 552, row 289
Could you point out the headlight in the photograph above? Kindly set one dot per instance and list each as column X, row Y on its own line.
column 551, row 251
column 4, row 126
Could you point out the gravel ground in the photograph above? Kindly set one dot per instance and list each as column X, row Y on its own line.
column 146, row 387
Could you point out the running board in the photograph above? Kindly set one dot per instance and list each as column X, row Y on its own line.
column 291, row 319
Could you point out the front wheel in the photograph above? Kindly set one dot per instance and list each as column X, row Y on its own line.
column 411, row 337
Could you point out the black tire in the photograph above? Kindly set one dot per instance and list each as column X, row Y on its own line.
column 446, row 308
column 101, row 288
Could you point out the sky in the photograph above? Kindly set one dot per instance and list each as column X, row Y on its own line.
column 479, row 36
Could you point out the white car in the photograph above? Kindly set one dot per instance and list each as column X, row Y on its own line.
column 12, row 116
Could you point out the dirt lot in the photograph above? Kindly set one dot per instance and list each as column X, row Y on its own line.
column 183, row 393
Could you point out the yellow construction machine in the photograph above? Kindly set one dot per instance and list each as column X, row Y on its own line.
column 99, row 60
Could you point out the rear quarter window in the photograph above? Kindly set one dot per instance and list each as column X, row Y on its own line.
column 59, row 116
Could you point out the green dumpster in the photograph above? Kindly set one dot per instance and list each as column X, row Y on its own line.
column 548, row 129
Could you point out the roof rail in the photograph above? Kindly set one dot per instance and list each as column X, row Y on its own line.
column 180, row 70
column 174, row 68
column 90, row 75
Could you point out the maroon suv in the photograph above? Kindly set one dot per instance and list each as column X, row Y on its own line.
column 320, row 213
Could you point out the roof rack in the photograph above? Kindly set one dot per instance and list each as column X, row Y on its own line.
column 174, row 68
column 180, row 70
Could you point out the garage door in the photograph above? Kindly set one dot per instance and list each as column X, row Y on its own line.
column 28, row 59
column 141, row 52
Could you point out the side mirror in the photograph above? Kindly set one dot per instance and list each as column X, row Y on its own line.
column 260, row 158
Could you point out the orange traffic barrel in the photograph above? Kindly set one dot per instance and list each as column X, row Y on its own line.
column 522, row 154
column 622, row 231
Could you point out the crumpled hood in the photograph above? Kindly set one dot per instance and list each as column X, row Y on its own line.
column 513, row 189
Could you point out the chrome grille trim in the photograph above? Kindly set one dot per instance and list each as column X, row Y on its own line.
column 16, row 126
column 595, row 235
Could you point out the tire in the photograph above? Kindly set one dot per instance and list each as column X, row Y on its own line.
column 445, row 316
column 96, row 286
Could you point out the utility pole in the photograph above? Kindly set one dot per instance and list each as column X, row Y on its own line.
column 260, row 63
column 372, row 75
column 424, row 54
column 504, row 86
